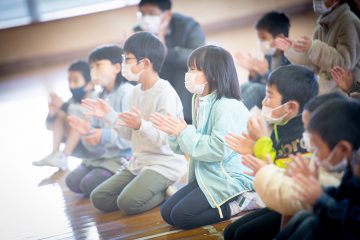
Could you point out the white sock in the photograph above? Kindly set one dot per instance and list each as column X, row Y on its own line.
column 234, row 208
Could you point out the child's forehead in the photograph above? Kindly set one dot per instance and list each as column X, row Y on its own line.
column 271, row 88
column 100, row 61
column 129, row 54
column 264, row 33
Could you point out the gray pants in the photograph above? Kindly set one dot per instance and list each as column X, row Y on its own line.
column 129, row 193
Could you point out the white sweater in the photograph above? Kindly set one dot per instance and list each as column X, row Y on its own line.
column 150, row 146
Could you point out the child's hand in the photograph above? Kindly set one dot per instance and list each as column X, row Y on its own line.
column 261, row 66
column 82, row 126
column 308, row 189
column 56, row 100
column 301, row 165
column 257, row 128
column 97, row 108
column 168, row 124
column 342, row 77
column 240, row 144
column 55, row 104
column 303, row 45
column 94, row 137
column 245, row 61
column 53, row 110
column 254, row 163
column 164, row 27
column 131, row 119
column 283, row 43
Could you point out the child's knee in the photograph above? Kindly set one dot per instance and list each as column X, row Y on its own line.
column 128, row 205
column 86, row 187
column 100, row 200
column 165, row 212
column 181, row 219
column 97, row 200
column 72, row 183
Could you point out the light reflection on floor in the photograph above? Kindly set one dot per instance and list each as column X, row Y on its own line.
column 31, row 201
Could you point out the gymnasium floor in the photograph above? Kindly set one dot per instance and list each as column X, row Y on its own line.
column 35, row 203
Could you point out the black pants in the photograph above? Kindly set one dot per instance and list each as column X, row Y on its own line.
column 261, row 224
column 301, row 226
column 188, row 208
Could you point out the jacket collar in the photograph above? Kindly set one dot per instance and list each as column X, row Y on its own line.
column 326, row 20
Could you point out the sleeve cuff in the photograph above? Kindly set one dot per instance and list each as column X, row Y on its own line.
column 264, row 146
column 111, row 117
column 144, row 126
column 105, row 135
column 322, row 203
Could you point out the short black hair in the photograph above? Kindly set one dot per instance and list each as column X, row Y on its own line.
column 146, row 45
column 337, row 120
column 275, row 23
column 219, row 69
column 164, row 5
column 82, row 67
column 110, row 52
column 317, row 101
column 294, row 83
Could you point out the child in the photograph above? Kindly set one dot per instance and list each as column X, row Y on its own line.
column 80, row 87
column 288, row 89
column 216, row 183
column 276, row 188
column 110, row 152
column 335, row 42
column 154, row 166
column 268, row 27
column 336, row 210
column 180, row 33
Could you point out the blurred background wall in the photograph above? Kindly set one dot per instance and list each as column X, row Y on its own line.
column 42, row 44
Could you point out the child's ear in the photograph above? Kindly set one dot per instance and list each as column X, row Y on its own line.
column 147, row 63
column 117, row 68
column 168, row 16
column 294, row 107
column 345, row 148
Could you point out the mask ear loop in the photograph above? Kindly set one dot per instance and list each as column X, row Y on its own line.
column 314, row 161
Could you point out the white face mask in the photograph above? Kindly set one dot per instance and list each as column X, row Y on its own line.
column 266, row 112
column 150, row 23
column 265, row 47
column 328, row 166
column 128, row 74
column 191, row 85
column 307, row 143
column 320, row 7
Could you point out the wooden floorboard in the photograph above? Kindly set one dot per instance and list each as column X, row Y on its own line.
column 73, row 217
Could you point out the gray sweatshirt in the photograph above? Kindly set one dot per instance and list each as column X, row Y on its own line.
column 150, row 146
column 112, row 147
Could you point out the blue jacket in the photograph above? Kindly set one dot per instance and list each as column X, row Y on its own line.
column 217, row 169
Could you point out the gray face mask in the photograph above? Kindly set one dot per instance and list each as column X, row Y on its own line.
column 320, row 7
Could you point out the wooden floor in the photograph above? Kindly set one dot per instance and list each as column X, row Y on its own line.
column 36, row 204
column 61, row 214
column 85, row 222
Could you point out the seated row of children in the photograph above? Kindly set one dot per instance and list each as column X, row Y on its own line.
column 133, row 139
column 226, row 148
